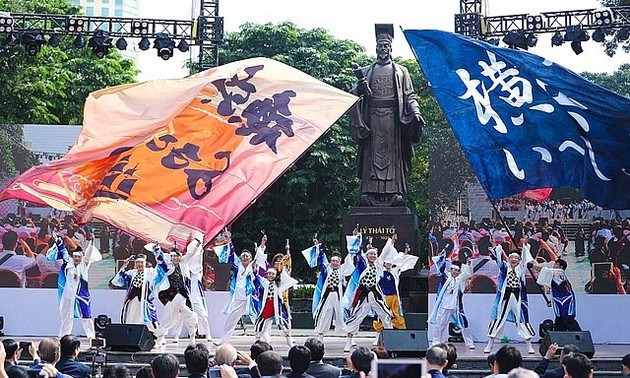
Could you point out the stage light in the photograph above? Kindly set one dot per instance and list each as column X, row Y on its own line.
column 493, row 41
column 164, row 45
column 557, row 39
column 11, row 40
column 532, row 40
column 121, row 44
column 576, row 46
column 623, row 33
column 79, row 43
column 1, row 325
column 534, row 22
column 53, row 40
column 144, row 44
column 603, row 17
column 575, row 33
column 598, row 35
column 100, row 42
column 516, row 39
column 182, row 45
column 140, row 28
column 6, row 22
column 75, row 25
column 101, row 323
column 33, row 41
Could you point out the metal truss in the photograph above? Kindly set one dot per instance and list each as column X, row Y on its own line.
column 473, row 24
column 210, row 34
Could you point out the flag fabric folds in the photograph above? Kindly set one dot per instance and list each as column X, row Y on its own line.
column 171, row 160
column 525, row 122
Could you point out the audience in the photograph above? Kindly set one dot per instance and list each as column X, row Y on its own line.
column 490, row 363
column 197, row 359
column 68, row 363
column 506, row 359
column 522, row 373
column 165, row 366
column 361, row 361
column 558, row 372
column 317, row 368
column 625, row 365
column 436, row 361
column 145, row 372
column 577, row 365
column 269, row 364
column 258, row 347
column 116, row 371
column 299, row 360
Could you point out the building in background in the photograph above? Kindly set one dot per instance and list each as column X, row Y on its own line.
column 109, row 8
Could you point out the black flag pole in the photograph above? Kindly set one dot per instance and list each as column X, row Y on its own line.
column 504, row 223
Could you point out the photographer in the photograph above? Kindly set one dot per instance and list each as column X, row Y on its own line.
column 68, row 364
column 14, row 352
column 49, row 351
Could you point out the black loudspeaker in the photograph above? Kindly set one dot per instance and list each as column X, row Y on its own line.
column 405, row 342
column 129, row 338
column 581, row 339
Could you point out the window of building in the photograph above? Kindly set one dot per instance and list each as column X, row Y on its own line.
column 105, row 12
column 89, row 11
column 118, row 13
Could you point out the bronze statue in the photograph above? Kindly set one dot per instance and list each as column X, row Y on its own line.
column 385, row 123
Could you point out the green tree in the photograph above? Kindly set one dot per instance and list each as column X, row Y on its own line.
column 15, row 158
column 618, row 81
column 611, row 44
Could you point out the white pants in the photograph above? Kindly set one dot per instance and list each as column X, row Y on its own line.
column 171, row 311
column 202, row 322
column 133, row 314
column 239, row 308
column 363, row 309
column 329, row 309
column 263, row 329
column 67, row 319
column 511, row 304
column 440, row 328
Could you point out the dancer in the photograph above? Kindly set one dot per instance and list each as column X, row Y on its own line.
column 553, row 275
column 73, row 285
column 173, row 285
column 510, row 303
column 449, row 303
column 243, row 283
column 138, row 307
column 363, row 295
column 273, row 308
column 395, row 263
column 328, row 290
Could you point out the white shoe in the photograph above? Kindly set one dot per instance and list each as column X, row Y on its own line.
column 530, row 350
column 193, row 341
column 290, row 342
column 348, row 345
column 320, row 337
column 217, row 342
column 175, row 340
column 488, row 347
column 160, row 341
column 471, row 347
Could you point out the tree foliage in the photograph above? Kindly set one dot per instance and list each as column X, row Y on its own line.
column 618, row 81
column 612, row 43
column 15, row 158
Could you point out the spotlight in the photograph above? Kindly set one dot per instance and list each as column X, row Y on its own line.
column 598, row 35
column 623, row 33
column 100, row 42
column 164, row 45
column 6, row 22
column 53, row 40
column 79, row 43
column 493, row 41
column 603, row 17
column 576, row 46
column 144, row 44
column 121, row 44
column 534, row 22
column 575, row 33
column 75, row 25
column 11, row 40
column 182, row 45
column 516, row 39
column 33, row 40
column 140, row 28
column 101, row 323
column 531, row 39
column 557, row 39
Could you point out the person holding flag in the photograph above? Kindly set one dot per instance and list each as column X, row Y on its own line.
column 328, row 290
column 243, row 283
column 173, row 285
column 138, row 307
column 73, row 285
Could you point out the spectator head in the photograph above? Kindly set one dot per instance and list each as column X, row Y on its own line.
column 577, row 365
column 225, row 354
column 436, row 357
column 299, row 358
column 116, row 371
column 625, row 364
column 70, row 346
column 451, row 355
column 316, row 347
column 506, row 359
column 49, row 350
column 9, row 240
column 490, row 361
column 12, row 349
column 380, row 352
column 258, row 347
column 145, row 372
column 165, row 366
column 361, row 359
column 196, row 358
column 569, row 348
column 522, row 373
column 269, row 363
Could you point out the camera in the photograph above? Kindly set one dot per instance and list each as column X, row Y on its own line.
column 97, row 343
column 36, row 373
column 24, row 345
column 97, row 358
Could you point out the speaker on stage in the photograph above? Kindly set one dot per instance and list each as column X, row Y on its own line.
column 581, row 339
column 404, row 342
column 129, row 338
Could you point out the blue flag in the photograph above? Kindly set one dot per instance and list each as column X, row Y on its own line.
column 525, row 122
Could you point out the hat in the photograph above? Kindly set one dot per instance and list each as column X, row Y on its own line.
column 384, row 32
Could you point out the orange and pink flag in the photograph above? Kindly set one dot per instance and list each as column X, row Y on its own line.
column 169, row 160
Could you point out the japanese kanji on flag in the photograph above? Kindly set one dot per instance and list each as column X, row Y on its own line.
column 169, row 160
column 525, row 122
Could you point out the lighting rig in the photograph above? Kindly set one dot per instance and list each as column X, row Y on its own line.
column 103, row 33
column 520, row 30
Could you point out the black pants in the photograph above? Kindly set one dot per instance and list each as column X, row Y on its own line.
column 566, row 323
